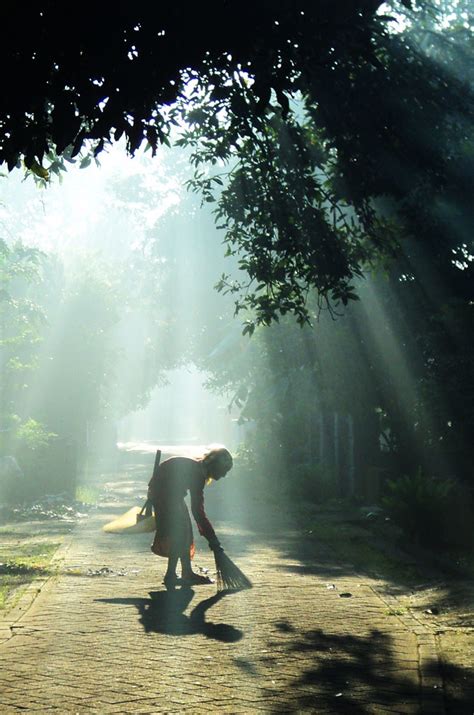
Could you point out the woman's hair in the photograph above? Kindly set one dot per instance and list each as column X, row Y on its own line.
column 217, row 454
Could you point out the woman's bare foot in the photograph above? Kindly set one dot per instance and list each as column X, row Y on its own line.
column 195, row 579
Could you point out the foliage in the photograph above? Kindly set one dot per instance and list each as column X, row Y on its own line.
column 106, row 361
column 59, row 94
column 312, row 188
column 282, row 217
column 21, row 320
column 397, row 363
column 418, row 503
column 310, row 197
column 316, row 184
column 33, row 435
column 447, row 386
column 66, row 345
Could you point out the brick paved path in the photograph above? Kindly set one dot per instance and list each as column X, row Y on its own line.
column 105, row 637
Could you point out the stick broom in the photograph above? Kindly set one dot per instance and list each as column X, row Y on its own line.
column 229, row 576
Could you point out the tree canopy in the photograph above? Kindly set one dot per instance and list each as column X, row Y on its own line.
column 112, row 68
column 318, row 128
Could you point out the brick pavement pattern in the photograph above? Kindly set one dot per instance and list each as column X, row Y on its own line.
column 103, row 636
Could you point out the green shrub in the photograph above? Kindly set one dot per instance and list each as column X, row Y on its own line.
column 32, row 435
column 418, row 504
column 40, row 456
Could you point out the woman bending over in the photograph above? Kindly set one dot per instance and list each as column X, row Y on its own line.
column 174, row 535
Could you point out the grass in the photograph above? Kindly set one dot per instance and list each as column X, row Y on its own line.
column 35, row 555
column 87, row 494
column 27, row 548
column 20, row 564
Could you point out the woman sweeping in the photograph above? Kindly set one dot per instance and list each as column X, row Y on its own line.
column 174, row 478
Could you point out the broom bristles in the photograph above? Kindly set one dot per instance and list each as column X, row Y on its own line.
column 229, row 576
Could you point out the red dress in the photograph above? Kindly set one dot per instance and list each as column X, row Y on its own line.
column 175, row 478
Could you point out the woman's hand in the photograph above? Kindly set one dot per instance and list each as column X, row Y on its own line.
column 215, row 544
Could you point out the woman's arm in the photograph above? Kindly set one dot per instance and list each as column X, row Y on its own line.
column 197, row 507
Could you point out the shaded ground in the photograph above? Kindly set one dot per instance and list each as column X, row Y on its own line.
column 314, row 635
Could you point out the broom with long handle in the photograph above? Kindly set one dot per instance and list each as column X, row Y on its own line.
column 147, row 508
column 228, row 575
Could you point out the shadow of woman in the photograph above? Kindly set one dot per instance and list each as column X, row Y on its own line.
column 164, row 613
